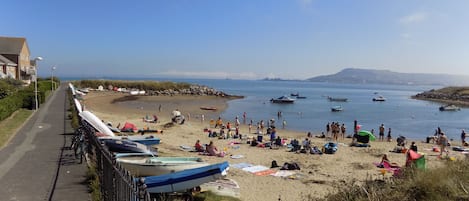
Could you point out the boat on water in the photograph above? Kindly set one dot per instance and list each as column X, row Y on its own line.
column 449, row 108
column 208, row 108
column 336, row 99
column 301, row 97
column 379, row 98
column 297, row 94
column 187, row 179
column 282, row 99
column 142, row 165
column 337, row 108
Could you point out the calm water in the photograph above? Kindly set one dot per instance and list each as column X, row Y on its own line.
column 414, row 119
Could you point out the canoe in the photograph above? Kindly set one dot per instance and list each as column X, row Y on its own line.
column 96, row 123
column 78, row 105
column 187, row 179
column 147, row 165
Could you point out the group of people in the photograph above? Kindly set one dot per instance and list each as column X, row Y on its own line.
column 335, row 129
column 382, row 130
column 209, row 149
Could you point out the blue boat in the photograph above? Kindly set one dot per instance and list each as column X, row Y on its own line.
column 186, row 179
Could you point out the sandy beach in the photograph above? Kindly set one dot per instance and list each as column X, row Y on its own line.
column 319, row 174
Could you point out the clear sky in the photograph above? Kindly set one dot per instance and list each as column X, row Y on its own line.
column 240, row 39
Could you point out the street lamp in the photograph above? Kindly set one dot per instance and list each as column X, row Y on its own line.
column 52, row 78
column 35, row 78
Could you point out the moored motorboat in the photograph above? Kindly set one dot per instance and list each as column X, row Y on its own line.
column 336, row 99
column 337, row 108
column 282, row 99
column 379, row 98
column 449, row 108
column 142, row 165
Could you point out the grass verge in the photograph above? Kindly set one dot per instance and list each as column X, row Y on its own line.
column 11, row 124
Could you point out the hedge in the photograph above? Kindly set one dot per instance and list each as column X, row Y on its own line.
column 23, row 99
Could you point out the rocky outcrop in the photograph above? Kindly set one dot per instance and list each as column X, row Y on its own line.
column 447, row 95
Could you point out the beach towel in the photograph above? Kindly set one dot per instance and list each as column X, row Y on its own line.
column 236, row 156
column 241, row 165
column 187, row 148
column 254, row 169
column 283, row 173
column 265, row 172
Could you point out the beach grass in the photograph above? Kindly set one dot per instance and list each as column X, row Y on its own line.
column 11, row 124
column 450, row 182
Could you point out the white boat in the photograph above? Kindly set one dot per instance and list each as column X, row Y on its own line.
column 94, row 121
column 379, row 98
column 337, row 108
column 282, row 99
column 187, row 179
column 78, row 105
column 449, row 108
column 141, row 165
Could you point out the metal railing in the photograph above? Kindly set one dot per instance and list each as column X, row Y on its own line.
column 116, row 183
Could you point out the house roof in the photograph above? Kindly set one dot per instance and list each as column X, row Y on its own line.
column 11, row 45
column 6, row 61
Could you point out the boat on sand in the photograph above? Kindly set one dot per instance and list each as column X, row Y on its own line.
column 187, row 179
column 142, row 165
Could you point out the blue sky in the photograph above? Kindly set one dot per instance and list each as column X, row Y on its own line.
column 241, row 39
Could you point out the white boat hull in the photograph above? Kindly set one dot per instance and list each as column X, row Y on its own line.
column 140, row 167
column 94, row 121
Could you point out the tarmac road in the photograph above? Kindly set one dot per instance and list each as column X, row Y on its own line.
column 37, row 164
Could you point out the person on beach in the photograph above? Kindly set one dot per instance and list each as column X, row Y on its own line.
column 219, row 122
column 328, row 128
column 237, row 121
column 284, row 124
column 198, row 146
column 381, row 132
column 213, row 151
column 343, row 129
column 443, row 142
column 244, row 118
column 413, row 147
column 463, row 137
column 389, row 138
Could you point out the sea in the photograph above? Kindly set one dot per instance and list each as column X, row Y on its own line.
column 414, row 119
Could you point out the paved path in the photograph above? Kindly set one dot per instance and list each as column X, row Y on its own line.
column 36, row 164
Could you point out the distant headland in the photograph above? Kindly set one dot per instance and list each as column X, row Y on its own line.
column 372, row 76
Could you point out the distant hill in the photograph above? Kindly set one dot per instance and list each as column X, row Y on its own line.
column 361, row 76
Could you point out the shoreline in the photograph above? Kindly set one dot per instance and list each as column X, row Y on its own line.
column 319, row 174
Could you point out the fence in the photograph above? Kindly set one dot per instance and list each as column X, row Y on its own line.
column 116, row 183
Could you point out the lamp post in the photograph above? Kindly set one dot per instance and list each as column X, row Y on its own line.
column 35, row 79
column 52, row 78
